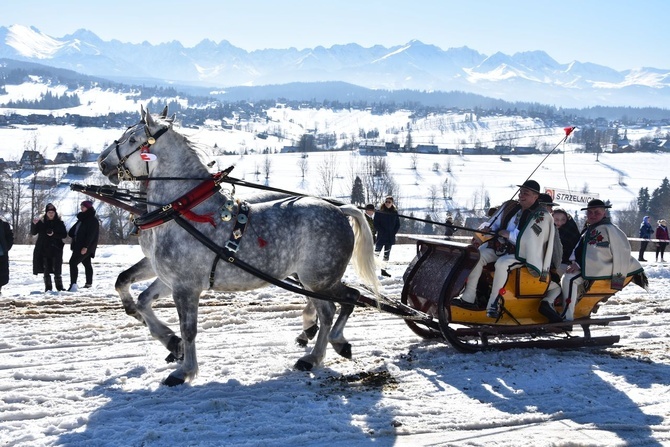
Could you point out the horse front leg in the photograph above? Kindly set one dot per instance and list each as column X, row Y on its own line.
column 325, row 311
column 138, row 272
column 187, row 301
column 157, row 328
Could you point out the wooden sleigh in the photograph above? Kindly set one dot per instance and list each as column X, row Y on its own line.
column 438, row 273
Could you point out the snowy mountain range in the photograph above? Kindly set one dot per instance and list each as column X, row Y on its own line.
column 529, row 76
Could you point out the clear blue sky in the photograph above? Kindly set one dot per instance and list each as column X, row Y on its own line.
column 620, row 34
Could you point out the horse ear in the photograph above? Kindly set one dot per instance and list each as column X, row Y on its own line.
column 172, row 118
column 164, row 112
column 148, row 119
column 143, row 114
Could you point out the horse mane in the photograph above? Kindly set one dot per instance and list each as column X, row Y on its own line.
column 202, row 151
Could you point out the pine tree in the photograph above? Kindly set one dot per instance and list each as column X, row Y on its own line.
column 358, row 192
column 643, row 201
column 659, row 204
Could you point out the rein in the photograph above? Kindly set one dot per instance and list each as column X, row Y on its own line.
column 228, row 253
column 165, row 213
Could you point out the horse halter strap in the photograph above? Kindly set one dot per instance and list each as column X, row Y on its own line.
column 123, row 172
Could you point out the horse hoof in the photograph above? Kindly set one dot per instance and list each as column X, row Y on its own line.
column 302, row 365
column 173, row 381
column 311, row 331
column 344, row 350
column 301, row 341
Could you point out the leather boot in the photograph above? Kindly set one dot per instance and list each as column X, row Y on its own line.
column 59, row 283
column 548, row 311
column 47, row 283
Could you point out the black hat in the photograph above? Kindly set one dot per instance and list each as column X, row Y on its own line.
column 370, row 206
column 596, row 203
column 545, row 199
column 49, row 207
column 532, row 185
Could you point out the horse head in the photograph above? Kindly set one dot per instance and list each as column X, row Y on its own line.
column 128, row 157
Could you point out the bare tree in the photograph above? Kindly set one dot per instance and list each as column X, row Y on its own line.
column 628, row 220
column 13, row 197
column 378, row 180
column 117, row 224
column 413, row 160
column 327, row 170
column 448, row 189
column 303, row 164
column 433, row 197
column 34, row 161
column 267, row 167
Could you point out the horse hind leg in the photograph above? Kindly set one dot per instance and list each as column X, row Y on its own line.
column 310, row 325
column 325, row 311
column 336, row 338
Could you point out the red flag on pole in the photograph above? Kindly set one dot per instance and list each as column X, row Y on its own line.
column 568, row 130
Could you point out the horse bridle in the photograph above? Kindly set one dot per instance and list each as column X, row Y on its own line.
column 122, row 171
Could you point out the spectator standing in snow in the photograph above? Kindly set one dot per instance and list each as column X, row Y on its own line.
column 370, row 217
column 387, row 224
column 662, row 235
column 6, row 242
column 645, row 233
column 84, row 236
column 48, row 252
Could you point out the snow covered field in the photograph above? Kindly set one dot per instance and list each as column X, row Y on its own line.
column 76, row 371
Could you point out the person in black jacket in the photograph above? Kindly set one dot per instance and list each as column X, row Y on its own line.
column 387, row 224
column 84, row 236
column 370, row 217
column 569, row 233
column 6, row 243
column 48, row 252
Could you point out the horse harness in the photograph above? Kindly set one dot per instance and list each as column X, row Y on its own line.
column 123, row 172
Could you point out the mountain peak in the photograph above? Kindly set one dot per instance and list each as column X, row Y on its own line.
column 529, row 76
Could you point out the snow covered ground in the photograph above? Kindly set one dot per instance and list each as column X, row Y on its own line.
column 76, row 371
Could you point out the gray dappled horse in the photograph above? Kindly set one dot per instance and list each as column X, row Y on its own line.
column 301, row 236
column 143, row 271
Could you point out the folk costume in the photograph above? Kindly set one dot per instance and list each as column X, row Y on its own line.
column 603, row 252
column 530, row 243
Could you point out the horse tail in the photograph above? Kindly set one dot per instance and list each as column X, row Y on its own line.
column 641, row 280
column 363, row 257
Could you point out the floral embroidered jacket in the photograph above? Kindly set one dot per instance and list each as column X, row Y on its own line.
column 606, row 254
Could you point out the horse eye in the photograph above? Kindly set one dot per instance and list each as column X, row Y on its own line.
column 132, row 140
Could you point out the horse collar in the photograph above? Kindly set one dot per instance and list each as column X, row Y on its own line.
column 184, row 204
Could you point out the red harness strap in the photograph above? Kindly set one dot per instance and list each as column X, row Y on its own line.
column 184, row 204
column 193, row 198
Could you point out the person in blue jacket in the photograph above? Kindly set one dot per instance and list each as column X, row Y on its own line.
column 646, row 231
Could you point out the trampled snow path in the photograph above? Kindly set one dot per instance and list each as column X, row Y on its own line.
column 75, row 370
